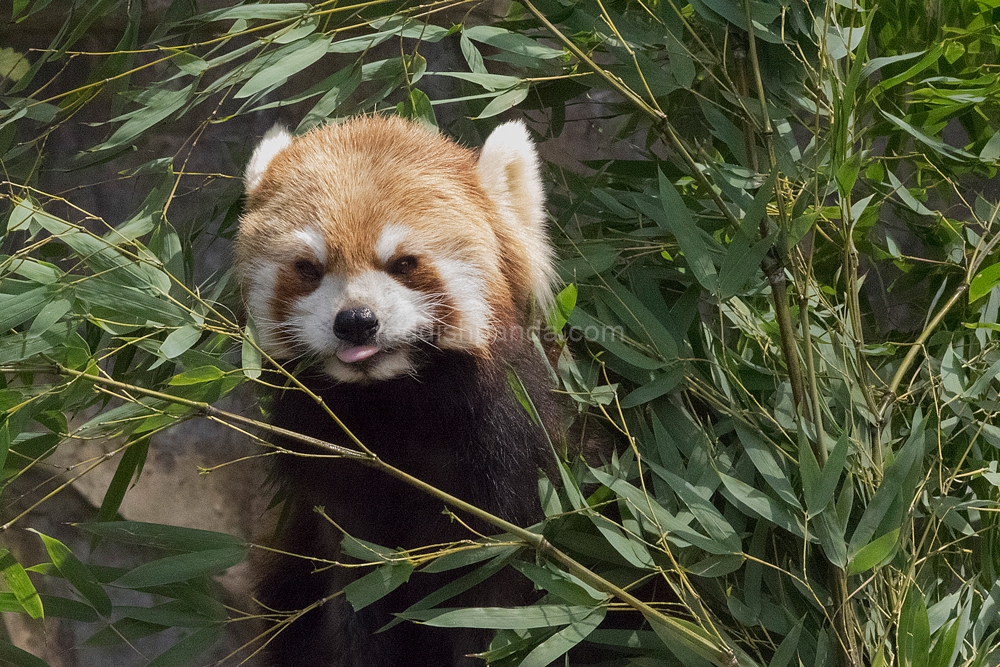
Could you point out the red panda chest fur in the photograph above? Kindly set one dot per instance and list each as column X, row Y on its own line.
column 400, row 270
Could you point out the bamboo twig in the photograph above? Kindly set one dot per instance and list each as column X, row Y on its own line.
column 714, row 650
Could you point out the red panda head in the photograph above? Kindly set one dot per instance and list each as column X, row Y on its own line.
column 365, row 241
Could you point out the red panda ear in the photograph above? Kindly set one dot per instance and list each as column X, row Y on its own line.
column 276, row 140
column 508, row 172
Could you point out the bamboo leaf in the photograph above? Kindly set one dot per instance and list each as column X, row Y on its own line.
column 76, row 573
column 503, row 618
column 186, row 650
column 983, row 282
column 293, row 58
column 12, row 655
column 767, row 465
column 561, row 642
column 377, row 584
column 874, row 552
column 182, row 567
column 504, row 101
column 20, row 585
column 892, row 491
column 913, row 631
column 162, row 536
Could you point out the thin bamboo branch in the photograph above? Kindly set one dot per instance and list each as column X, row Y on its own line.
column 846, row 653
column 660, row 120
column 714, row 650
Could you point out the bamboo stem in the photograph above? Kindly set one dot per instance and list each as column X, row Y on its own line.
column 714, row 650
column 846, row 652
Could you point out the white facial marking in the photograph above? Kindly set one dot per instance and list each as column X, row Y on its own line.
column 313, row 240
column 404, row 316
column 467, row 290
column 389, row 241
column 264, row 276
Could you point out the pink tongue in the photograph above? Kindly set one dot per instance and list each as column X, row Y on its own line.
column 349, row 355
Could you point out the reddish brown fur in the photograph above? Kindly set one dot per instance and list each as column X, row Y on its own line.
column 411, row 177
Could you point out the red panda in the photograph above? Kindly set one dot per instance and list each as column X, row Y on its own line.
column 403, row 271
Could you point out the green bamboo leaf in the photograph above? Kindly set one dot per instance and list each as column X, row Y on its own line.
column 818, row 486
column 561, row 584
column 595, row 330
column 634, row 314
column 106, row 297
column 561, row 642
column 628, row 547
column 182, row 567
column 123, row 632
column 20, row 585
column 185, row 651
column 875, row 64
column 504, row 101
column 911, row 202
column 51, row 313
column 511, row 41
column 198, row 375
column 159, row 107
column 299, row 30
column 179, row 341
column 12, row 655
column 741, row 264
column 417, row 107
column 76, row 573
column 760, row 504
column 503, row 618
column 20, row 347
column 101, row 255
column 17, row 309
column 913, row 638
column 162, row 536
column 128, row 468
column 377, row 584
column 472, row 55
column 562, row 308
column 491, row 82
column 847, row 175
column 894, row 492
column 874, row 553
column 930, row 58
column 661, row 384
column 461, row 584
column 935, row 145
column 338, row 87
column 982, row 284
column 716, row 566
column 760, row 453
column 787, row 649
column 676, row 219
column 699, row 504
column 658, row 518
column 176, row 613
column 991, row 151
column 272, row 12
column 55, row 607
column 289, row 60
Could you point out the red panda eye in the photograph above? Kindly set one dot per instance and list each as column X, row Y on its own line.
column 403, row 265
column 310, row 272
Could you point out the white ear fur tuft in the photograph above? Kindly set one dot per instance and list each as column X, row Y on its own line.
column 508, row 171
column 275, row 141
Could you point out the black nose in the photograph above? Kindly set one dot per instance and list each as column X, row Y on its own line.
column 355, row 325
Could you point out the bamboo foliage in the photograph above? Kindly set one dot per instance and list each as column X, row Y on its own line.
column 782, row 296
